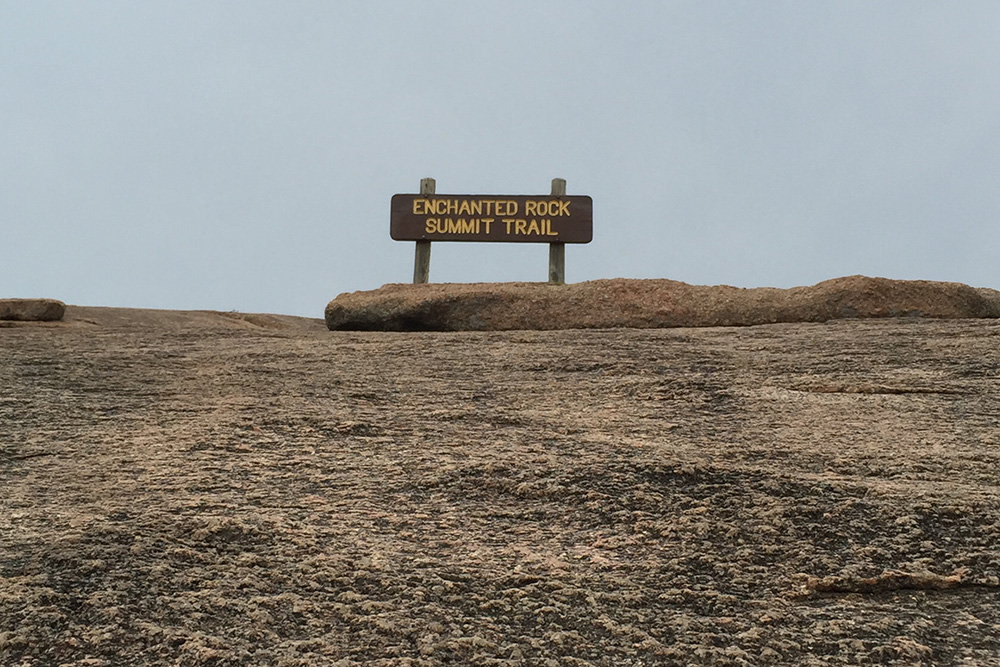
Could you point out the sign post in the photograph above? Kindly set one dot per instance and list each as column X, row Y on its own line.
column 557, row 251
column 422, row 258
column 555, row 219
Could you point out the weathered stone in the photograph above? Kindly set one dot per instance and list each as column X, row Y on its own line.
column 647, row 304
column 32, row 310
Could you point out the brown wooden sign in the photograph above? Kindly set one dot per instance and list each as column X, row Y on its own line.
column 505, row 218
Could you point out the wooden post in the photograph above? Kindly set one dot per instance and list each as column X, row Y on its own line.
column 557, row 251
column 422, row 257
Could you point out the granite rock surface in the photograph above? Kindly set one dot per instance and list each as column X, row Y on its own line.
column 645, row 304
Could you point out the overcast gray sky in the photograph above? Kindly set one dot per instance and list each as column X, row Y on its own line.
column 242, row 155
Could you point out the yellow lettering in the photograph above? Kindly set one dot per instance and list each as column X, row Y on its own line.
column 541, row 207
column 463, row 215
column 549, row 207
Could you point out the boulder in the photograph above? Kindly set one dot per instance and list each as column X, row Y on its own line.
column 32, row 310
column 647, row 304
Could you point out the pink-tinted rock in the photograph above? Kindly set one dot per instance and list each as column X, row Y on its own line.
column 647, row 304
column 32, row 310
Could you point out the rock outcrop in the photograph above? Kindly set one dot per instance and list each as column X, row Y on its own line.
column 32, row 310
column 647, row 304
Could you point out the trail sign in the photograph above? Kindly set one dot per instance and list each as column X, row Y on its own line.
column 556, row 219
column 503, row 218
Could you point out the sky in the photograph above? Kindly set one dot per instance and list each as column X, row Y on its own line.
column 242, row 155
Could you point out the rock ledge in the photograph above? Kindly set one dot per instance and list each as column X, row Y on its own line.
column 32, row 310
column 617, row 303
